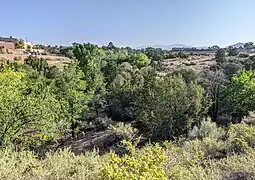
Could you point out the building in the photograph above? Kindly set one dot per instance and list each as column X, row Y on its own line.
column 8, row 43
column 7, row 46
column 9, row 40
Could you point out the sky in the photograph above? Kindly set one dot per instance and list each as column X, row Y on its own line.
column 129, row 22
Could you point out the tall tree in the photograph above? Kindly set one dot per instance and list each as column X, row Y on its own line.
column 220, row 56
column 168, row 107
column 89, row 57
column 238, row 96
column 71, row 93
column 28, row 111
column 249, row 45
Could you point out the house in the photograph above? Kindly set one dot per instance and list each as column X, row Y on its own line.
column 7, row 46
column 9, row 40
column 8, row 43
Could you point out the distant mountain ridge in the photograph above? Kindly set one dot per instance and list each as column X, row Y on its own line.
column 237, row 45
column 170, row 47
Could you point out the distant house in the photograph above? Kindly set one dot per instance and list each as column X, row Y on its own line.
column 9, row 40
column 8, row 43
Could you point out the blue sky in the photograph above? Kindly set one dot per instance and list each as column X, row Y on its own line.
column 130, row 22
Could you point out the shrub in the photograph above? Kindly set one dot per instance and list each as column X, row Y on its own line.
column 147, row 163
column 167, row 107
column 241, row 137
column 243, row 55
column 61, row 165
column 207, row 148
column 125, row 131
column 237, row 167
column 207, row 128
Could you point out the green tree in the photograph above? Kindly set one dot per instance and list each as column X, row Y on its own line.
column 29, row 112
column 89, row 57
column 168, row 107
column 220, row 56
column 249, row 45
column 71, row 94
column 238, row 96
column 20, row 44
column 232, row 51
column 212, row 81
column 139, row 59
column 39, row 64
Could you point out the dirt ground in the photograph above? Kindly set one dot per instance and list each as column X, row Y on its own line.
column 195, row 62
column 52, row 60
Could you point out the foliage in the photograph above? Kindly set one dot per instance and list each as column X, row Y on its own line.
column 232, row 51
column 39, row 64
column 220, row 56
column 125, row 131
column 249, row 45
column 61, row 165
column 70, row 89
column 89, row 57
column 20, row 44
column 238, row 96
column 28, row 112
column 243, row 55
column 168, row 107
column 206, row 129
column 189, row 75
column 139, row 164
column 241, row 137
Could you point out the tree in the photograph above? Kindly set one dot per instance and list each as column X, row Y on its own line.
column 123, row 91
column 215, row 47
column 220, row 56
column 232, row 51
column 20, row 44
column 71, row 93
column 238, row 96
column 212, row 81
column 89, row 58
column 111, row 46
column 28, row 111
column 28, row 48
column 249, row 45
column 39, row 64
column 168, row 107
column 139, row 59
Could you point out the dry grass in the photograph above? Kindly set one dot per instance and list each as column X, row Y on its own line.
column 58, row 61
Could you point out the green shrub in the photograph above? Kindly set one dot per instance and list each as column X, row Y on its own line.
column 147, row 163
column 168, row 106
column 125, row 131
column 241, row 137
column 243, row 55
column 207, row 128
column 207, row 148
column 62, row 165
column 237, row 166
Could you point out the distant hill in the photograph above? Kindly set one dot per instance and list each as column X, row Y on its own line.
column 170, row 47
column 165, row 47
column 237, row 45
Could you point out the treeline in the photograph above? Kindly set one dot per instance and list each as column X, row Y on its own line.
column 120, row 85
column 120, row 90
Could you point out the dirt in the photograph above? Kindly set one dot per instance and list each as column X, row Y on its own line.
column 58, row 61
column 195, row 62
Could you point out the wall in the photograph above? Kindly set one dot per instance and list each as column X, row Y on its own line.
column 7, row 46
